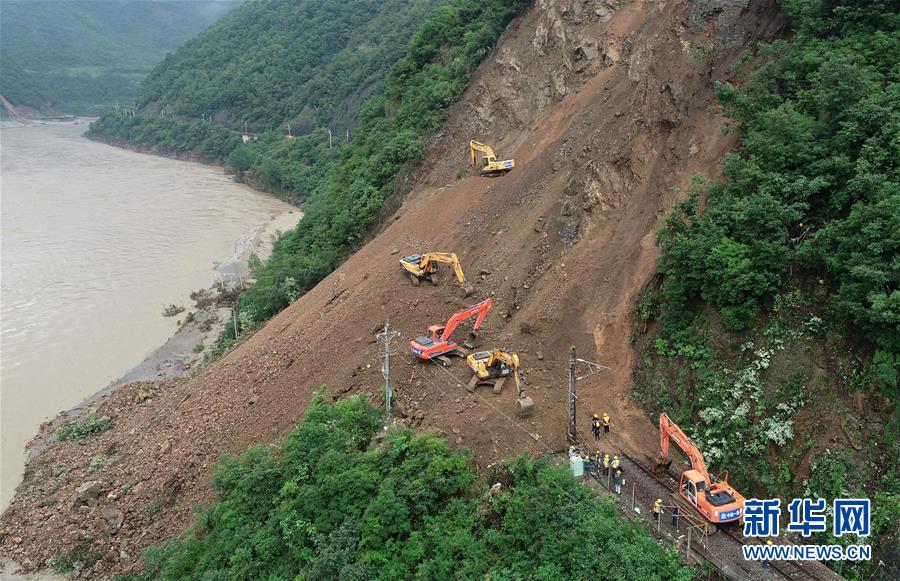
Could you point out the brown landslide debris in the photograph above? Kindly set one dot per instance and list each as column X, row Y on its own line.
column 606, row 109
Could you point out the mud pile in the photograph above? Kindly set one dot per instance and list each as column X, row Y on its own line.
column 608, row 109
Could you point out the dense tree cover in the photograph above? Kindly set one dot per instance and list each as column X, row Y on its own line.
column 796, row 245
column 269, row 61
column 81, row 55
column 423, row 84
column 332, row 503
column 290, row 168
column 344, row 186
column 210, row 141
column 814, row 186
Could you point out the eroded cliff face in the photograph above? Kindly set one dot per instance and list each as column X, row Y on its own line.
column 608, row 108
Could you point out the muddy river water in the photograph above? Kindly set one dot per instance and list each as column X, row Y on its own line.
column 94, row 241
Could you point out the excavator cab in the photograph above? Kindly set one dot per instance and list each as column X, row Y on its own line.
column 488, row 160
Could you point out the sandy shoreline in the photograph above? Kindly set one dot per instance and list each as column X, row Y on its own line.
column 199, row 325
column 180, row 352
column 176, row 357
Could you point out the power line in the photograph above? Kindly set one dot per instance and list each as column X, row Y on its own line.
column 386, row 336
column 497, row 439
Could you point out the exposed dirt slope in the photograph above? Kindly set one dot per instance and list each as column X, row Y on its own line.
column 607, row 108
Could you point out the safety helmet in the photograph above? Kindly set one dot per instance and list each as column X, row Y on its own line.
column 606, row 456
column 658, row 501
column 605, row 415
column 615, row 457
column 769, row 542
column 596, row 416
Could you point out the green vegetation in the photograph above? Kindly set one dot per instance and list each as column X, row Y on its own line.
column 782, row 285
column 343, row 185
column 270, row 61
column 207, row 141
column 80, row 429
column 79, row 56
column 423, row 84
column 814, row 189
column 332, row 502
column 66, row 562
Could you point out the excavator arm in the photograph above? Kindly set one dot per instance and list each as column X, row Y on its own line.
column 669, row 430
column 475, row 146
column 444, row 258
column 480, row 310
column 512, row 359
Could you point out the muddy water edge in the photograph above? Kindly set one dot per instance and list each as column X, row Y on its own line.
column 96, row 241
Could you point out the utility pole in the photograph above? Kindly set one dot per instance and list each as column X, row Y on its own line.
column 687, row 553
column 572, row 432
column 386, row 336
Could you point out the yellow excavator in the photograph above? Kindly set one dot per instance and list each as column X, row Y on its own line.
column 491, row 368
column 425, row 266
column 490, row 165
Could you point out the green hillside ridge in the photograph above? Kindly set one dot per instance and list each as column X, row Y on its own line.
column 275, row 60
column 343, row 187
column 337, row 501
column 779, row 310
column 79, row 56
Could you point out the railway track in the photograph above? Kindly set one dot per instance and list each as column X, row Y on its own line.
column 723, row 551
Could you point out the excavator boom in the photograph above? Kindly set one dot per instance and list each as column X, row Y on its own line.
column 475, row 146
column 670, row 430
column 481, row 310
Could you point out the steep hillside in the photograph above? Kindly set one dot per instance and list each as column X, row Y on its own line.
column 79, row 56
column 607, row 107
column 277, row 60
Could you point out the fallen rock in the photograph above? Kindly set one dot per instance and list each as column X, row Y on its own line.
column 586, row 52
column 164, row 448
column 87, row 491
column 114, row 518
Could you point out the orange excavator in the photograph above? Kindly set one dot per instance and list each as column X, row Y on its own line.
column 441, row 343
column 716, row 500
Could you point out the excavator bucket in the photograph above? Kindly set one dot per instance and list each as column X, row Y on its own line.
column 659, row 465
column 471, row 340
column 467, row 290
column 524, row 406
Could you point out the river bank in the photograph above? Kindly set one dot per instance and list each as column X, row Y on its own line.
column 97, row 240
column 198, row 328
column 174, row 356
